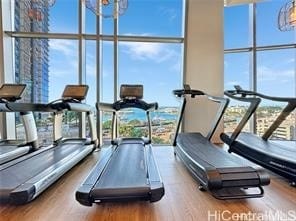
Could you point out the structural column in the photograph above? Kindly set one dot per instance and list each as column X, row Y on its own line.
column 204, row 64
column 6, row 64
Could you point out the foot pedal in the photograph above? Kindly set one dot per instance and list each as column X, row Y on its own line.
column 238, row 193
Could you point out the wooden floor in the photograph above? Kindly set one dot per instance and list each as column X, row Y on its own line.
column 182, row 200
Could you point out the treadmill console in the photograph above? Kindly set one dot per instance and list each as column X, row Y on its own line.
column 129, row 91
column 11, row 92
column 77, row 92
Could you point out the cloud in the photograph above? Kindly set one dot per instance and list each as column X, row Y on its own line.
column 59, row 70
column 148, row 51
column 135, row 34
column 66, row 47
column 63, row 66
column 90, row 70
column 162, row 84
column 290, row 61
column 268, row 74
column 170, row 13
column 176, row 66
column 226, row 64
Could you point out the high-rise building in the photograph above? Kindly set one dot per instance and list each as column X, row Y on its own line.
column 31, row 55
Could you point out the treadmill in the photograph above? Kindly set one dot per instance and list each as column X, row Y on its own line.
column 224, row 175
column 11, row 149
column 277, row 156
column 23, row 179
column 128, row 170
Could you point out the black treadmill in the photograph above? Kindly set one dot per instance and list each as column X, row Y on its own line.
column 11, row 149
column 23, row 179
column 224, row 175
column 128, row 170
column 277, row 156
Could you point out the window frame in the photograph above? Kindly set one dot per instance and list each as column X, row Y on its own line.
column 254, row 49
column 82, row 36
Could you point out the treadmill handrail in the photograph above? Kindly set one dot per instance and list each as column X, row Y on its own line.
column 51, row 107
column 35, row 107
column 187, row 90
column 245, row 93
column 127, row 103
column 123, row 104
column 72, row 106
column 180, row 117
column 280, row 118
column 289, row 108
column 223, row 103
column 105, row 107
column 134, row 103
column 254, row 102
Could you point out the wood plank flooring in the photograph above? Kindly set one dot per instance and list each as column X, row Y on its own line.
column 182, row 201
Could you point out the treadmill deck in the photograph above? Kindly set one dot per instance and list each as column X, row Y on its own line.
column 284, row 150
column 225, row 175
column 34, row 167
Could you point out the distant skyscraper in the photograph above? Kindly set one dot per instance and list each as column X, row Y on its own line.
column 31, row 55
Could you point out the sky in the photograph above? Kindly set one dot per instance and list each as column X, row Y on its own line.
column 156, row 65
column 275, row 68
column 159, row 66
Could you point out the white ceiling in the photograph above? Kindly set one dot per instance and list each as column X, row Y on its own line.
column 237, row 2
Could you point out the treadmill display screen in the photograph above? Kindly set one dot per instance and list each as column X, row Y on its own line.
column 131, row 91
column 12, row 92
column 78, row 92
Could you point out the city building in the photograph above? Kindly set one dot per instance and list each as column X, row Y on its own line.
column 283, row 132
column 31, row 55
column 211, row 45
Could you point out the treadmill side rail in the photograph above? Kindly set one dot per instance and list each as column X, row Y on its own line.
column 14, row 153
column 156, row 184
column 29, row 190
column 83, row 194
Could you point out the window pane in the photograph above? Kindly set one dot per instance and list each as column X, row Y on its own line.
column 107, row 24
column 39, row 16
column 152, row 18
column 90, row 22
column 46, row 66
column 276, row 79
column 236, row 27
column 91, row 78
column 236, row 72
column 158, row 67
column 107, row 72
column 267, row 24
column 107, row 85
column 63, row 62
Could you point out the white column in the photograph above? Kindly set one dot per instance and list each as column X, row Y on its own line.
column 205, row 61
column 6, row 63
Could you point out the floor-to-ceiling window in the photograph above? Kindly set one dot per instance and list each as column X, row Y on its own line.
column 260, row 57
column 61, row 43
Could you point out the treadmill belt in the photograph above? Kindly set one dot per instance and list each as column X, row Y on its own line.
column 206, row 153
column 25, row 170
column 272, row 148
column 125, row 174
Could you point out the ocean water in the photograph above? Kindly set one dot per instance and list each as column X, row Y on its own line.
column 137, row 114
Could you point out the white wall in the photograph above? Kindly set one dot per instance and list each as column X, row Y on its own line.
column 205, row 60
